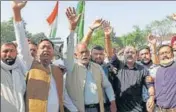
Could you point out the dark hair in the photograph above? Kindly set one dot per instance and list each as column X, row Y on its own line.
column 97, row 47
column 33, row 43
column 144, row 47
column 164, row 45
column 46, row 40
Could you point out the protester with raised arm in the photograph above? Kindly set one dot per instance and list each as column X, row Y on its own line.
column 85, row 80
column 13, row 70
column 44, row 80
column 128, row 83
column 165, row 83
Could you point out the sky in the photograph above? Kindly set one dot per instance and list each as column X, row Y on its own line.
column 123, row 15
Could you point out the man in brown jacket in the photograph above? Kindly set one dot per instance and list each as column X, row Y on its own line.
column 44, row 81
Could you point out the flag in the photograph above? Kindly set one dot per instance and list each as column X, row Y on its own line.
column 52, row 21
column 80, row 26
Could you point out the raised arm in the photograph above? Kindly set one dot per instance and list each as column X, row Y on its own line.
column 96, row 24
column 174, row 16
column 68, row 49
column 107, row 31
column 152, row 40
column 23, row 47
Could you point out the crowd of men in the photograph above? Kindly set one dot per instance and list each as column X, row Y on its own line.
column 83, row 80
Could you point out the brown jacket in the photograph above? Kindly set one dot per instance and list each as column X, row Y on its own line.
column 38, row 83
column 75, row 83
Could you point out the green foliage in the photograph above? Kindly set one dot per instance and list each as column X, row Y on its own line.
column 135, row 38
column 161, row 28
column 97, row 38
column 7, row 31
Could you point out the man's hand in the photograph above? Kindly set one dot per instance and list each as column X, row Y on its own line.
column 150, row 104
column 18, row 5
column 107, row 28
column 174, row 16
column 152, row 40
column 113, row 106
column 72, row 18
column 96, row 24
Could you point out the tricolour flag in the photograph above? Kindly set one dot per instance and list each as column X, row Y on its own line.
column 80, row 27
column 52, row 21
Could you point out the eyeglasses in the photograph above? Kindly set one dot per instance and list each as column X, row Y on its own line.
column 166, row 52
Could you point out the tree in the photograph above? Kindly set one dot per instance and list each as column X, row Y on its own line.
column 7, row 31
column 97, row 38
column 161, row 28
column 135, row 38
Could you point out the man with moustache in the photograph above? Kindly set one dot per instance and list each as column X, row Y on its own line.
column 13, row 84
column 128, row 83
column 85, row 80
column 145, row 61
column 165, row 83
column 44, row 80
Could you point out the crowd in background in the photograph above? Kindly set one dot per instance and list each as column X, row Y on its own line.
column 100, row 79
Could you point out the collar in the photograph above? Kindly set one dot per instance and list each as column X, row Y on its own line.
column 88, row 67
column 135, row 66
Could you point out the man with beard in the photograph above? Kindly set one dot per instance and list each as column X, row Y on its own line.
column 13, row 84
column 128, row 83
column 44, row 80
column 173, row 44
column 165, row 83
column 145, row 61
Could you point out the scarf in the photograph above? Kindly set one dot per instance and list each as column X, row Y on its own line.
column 12, row 87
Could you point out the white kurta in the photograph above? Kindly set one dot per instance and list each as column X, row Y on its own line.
column 13, row 84
column 13, row 87
column 53, row 101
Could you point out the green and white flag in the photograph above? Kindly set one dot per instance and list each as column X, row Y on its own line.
column 80, row 27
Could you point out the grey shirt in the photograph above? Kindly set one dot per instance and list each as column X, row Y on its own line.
column 128, row 86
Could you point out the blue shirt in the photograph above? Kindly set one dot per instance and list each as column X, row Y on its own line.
column 90, row 89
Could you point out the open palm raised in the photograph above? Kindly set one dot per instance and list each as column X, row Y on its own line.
column 96, row 24
column 72, row 17
column 107, row 28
